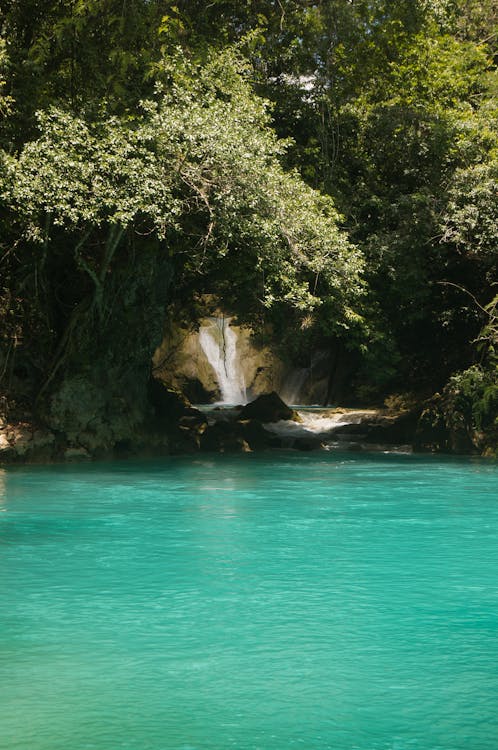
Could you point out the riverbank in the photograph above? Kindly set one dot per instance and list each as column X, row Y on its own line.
column 176, row 427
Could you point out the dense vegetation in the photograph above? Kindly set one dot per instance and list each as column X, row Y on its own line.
column 328, row 167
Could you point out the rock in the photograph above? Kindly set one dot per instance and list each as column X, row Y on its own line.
column 307, row 444
column 268, row 408
column 196, row 392
column 181, row 362
column 177, row 417
column 235, row 436
column 381, row 429
column 399, row 428
column 194, row 420
column 254, row 434
column 223, row 437
column 168, row 404
column 7, row 452
column 25, row 441
column 20, row 438
column 183, row 440
column 84, row 412
column 41, row 438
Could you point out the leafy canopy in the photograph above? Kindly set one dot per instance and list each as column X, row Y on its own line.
column 200, row 169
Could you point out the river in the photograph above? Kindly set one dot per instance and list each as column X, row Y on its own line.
column 254, row 602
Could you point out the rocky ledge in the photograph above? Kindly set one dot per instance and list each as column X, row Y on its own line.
column 175, row 427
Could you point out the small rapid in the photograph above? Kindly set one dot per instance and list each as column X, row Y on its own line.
column 316, row 422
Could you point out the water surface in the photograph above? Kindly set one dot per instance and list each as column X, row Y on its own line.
column 254, row 602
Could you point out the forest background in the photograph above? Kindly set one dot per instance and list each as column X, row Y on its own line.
column 327, row 169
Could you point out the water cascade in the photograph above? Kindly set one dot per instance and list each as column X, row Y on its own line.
column 293, row 385
column 219, row 343
column 320, row 423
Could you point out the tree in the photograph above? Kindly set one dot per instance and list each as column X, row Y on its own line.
column 202, row 203
column 79, row 54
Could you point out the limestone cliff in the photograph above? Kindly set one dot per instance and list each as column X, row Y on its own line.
column 181, row 362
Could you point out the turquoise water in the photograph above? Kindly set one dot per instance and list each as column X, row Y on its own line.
column 259, row 601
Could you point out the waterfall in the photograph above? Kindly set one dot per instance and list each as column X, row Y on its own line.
column 293, row 384
column 219, row 343
column 300, row 384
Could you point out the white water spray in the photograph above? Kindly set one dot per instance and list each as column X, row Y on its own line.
column 219, row 343
column 293, row 385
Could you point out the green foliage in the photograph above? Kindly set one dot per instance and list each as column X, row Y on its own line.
column 150, row 142
column 79, row 54
column 470, row 219
column 174, row 172
column 77, row 175
column 465, row 416
column 90, row 194
column 472, row 398
column 5, row 100
column 488, row 339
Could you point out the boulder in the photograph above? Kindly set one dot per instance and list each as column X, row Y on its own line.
column 183, row 440
column 236, row 436
column 381, row 429
column 255, row 434
column 168, row 403
column 268, row 408
column 224, row 437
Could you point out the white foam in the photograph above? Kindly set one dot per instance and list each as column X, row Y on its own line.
column 219, row 343
column 314, row 423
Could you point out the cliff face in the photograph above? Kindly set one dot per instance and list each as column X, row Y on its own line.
column 208, row 367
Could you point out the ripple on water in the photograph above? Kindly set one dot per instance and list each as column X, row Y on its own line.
column 315, row 601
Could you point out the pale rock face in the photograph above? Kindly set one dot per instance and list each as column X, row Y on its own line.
column 220, row 362
column 24, row 441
